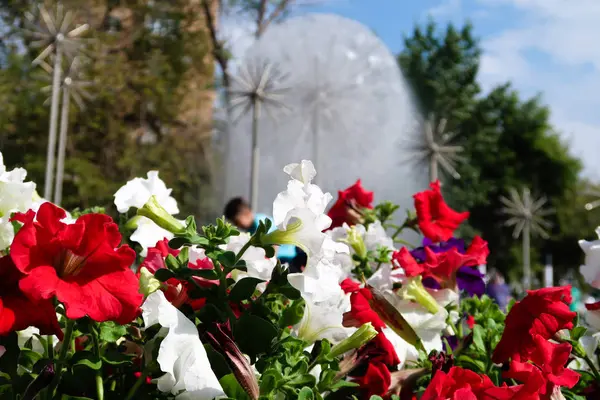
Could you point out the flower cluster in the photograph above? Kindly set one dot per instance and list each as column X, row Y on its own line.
column 157, row 307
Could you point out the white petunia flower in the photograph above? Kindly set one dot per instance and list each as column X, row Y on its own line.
column 181, row 354
column 16, row 195
column 299, row 211
column 429, row 327
column 147, row 234
column 138, row 191
column 259, row 266
column 136, row 194
column 591, row 269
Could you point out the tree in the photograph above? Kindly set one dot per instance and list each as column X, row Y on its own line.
column 152, row 109
column 508, row 142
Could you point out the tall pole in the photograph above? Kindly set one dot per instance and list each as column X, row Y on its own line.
column 62, row 145
column 315, row 143
column 255, row 155
column 526, row 258
column 53, row 119
column 433, row 168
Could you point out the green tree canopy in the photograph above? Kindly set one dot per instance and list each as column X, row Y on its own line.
column 508, row 142
column 153, row 74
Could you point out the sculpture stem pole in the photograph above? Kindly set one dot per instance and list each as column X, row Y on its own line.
column 254, row 168
column 315, row 144
column 62, row 147
column 526, row 258
column 53, row 122
column 433, row 169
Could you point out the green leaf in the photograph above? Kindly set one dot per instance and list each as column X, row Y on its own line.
column 478, row 338
column 68, row 397
column 306, row 393
column 244, row 289
column 28, row 358
column 292, row 314
column 172, row 263
column 375, row 397
column 209, row 274
column 178, row 242
column 578, row 332
column 114, row 357
column 232, row 388
column 164, row 274
column 254, row 335
column 86, row 359
column 227, row 259
column 111, row 331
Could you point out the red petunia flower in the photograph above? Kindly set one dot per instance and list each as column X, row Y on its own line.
column 462, row 384
column 176, row 291
column 545, row 369
column 82, row 264
column 348, row 205
column 436, row 219
column 361, row 312
column 17, row 311
column 542, row 312
column 376, row 381
column 478, row 251
column 442, row 267
column 470, row 321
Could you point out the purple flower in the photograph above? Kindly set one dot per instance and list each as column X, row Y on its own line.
column 469, row 279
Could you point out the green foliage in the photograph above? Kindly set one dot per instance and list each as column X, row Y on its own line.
column 508, row 142
column 151, row 106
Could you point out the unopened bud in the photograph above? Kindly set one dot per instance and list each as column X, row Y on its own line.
column 44, row 379
column 154, row 211
column 362, row 336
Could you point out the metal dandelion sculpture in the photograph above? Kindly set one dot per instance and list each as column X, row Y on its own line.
column 434, row 148
column 526, row 214
column 73, row 87
column 57, row 35
column 258, row 85
column 594, row 203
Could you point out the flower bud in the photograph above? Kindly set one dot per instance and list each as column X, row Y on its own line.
column 154, row 211
column 394, row 319
column 357, row 243
column 362, row 336
column 148, row 283
column 220, row 339
column 413, row 289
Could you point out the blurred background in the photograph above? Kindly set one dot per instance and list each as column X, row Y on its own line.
column 517, row 82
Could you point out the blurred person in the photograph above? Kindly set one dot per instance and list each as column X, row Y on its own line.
column 240, row 214
column 498, row 290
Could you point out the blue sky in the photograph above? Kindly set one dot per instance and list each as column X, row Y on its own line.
column 546, row 47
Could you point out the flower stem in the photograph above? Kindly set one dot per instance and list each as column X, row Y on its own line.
column 137, row 385
column 50, row 346
column 99, row 380
column 64, row 349
column 240, row 253
column 590, row 363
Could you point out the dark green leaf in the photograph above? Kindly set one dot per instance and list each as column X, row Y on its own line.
column 86, row 359
column 232, row 388
column 227, row 259
column 164, row 274
column 28, row 358
column 254, row 335
column 209, row 274
column 114, row 357
column 578, row 332
column 244, row 289
column 306, row 393
column 111, row 331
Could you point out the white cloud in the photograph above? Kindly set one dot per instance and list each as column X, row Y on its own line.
column 552, row 49
column 446, row 8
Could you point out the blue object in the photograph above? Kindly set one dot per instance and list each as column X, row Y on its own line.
column 576, row 298
column 286, row 253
